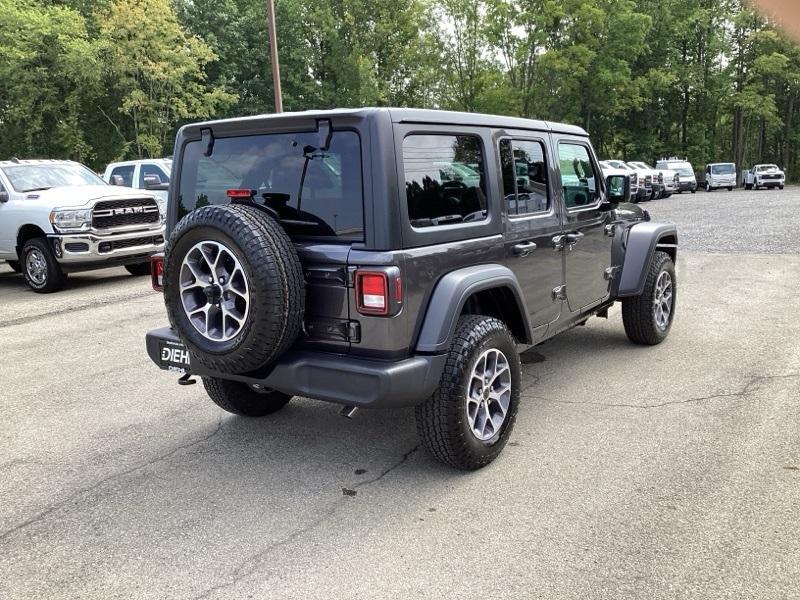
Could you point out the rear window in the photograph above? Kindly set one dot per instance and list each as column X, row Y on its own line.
column 314, row 193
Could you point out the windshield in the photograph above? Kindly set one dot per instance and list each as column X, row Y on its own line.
column 618, row 164
column 313, row 193
column 767, row 168
column 30, row 178
column 640, row 165
column 682, row 169
column 728, row 169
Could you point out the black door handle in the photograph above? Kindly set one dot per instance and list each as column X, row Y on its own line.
column 524, row 249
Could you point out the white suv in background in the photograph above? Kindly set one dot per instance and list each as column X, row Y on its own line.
column 151, row 174
column 687, row 180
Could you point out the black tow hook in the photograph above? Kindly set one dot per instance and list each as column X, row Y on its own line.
column 186, row 379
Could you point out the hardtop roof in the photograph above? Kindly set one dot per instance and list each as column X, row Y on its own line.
column 404, row 115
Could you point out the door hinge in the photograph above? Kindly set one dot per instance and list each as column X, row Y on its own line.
column 610, row 273
column 610, row 230
column 353, row 331
column 560, row 293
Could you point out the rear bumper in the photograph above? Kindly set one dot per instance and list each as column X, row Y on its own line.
column 329, row 377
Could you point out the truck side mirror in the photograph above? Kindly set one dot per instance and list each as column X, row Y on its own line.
column 117, row 180
column 619, row 189
column 153, row 182
column 3, row 196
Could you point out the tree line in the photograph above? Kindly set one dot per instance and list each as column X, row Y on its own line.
column 100, row 80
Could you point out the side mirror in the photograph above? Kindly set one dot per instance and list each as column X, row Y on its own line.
column 117, row 180
column 4, row 196
column 618, row 189
column 153, row 182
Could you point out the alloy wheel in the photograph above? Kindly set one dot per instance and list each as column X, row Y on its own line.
column 662, row 302
column 214, row 291
column 36, row 266
column 488, row 394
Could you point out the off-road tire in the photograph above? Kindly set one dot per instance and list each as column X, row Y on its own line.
column 54, row 278
column 15, row 266
column 138, row 269
column 241, row 399
column 442, row 423
column 638, row 314
column 275, row 279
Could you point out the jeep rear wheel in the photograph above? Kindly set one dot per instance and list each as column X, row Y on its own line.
column 233, row 287
column 648, row 317
column 469, row 418
column 243, row 399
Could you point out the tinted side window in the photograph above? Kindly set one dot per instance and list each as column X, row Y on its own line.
column 578, row 178
column 314, row 193
column 126, row 173
column 524, row 177
column 444, row 178
column 150, row 169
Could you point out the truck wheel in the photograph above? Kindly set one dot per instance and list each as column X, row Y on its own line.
column 139, row 269
column 730, row 189
column 41, row 270
column 242, row 399
column 694, row 190
column 648, row 317
column 467, row 421
column 234, row 288
column 15, row 266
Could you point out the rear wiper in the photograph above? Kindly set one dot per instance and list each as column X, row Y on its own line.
column 39, row 189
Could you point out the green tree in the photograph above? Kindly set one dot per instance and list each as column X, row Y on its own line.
column 153, row 73
column 48, row 69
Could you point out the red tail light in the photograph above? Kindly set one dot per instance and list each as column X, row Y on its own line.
column 372, row 292
column 157, row 271
column 240, row 193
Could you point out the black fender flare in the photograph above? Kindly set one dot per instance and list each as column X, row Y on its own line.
column 634, row 251
column 450, row 295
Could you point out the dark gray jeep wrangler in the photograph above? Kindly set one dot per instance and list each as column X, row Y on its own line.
column 395, row 257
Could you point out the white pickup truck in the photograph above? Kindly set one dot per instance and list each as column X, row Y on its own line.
column 58, row 216
column 764, row 176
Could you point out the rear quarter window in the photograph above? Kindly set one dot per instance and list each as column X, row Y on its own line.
column 444, row 179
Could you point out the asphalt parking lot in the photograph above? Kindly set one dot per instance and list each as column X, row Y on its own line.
column 664, row 472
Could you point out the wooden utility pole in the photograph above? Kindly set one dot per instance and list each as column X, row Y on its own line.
column 273, row 51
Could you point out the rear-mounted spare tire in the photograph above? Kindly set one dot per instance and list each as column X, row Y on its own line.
column 233, row 286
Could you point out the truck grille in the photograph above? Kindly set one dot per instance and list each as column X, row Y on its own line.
column 118, row 213
column 770, row 177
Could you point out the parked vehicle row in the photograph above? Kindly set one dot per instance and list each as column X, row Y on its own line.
column 58, row 216
column 647, row 183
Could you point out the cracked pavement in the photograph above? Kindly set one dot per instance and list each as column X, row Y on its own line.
column 665, row 472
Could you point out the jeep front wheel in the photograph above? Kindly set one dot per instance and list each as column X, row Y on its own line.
column 467, row 421
column 648, row 317
column 243, row 399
